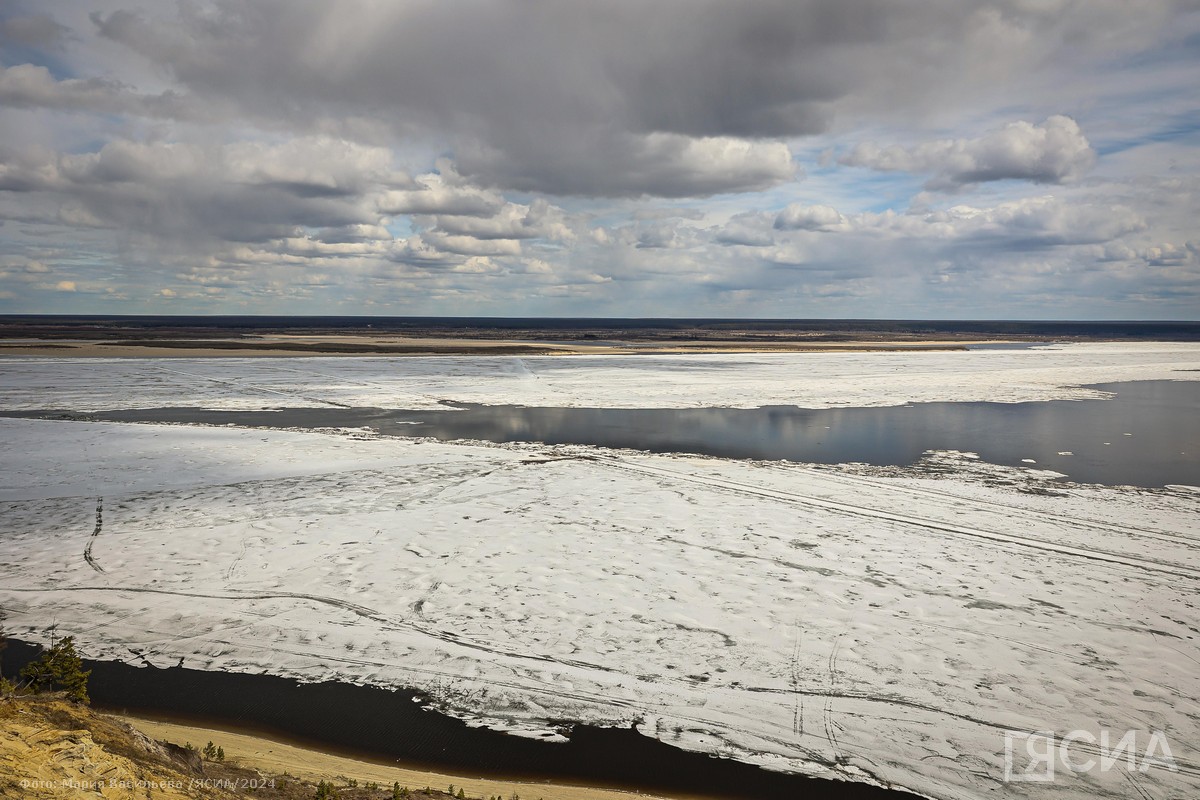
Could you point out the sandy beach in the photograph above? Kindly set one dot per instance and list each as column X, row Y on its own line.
column 273, row 756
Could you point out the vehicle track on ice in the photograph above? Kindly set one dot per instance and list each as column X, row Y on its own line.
column 387, row 623
column 87, row 551
column 723, row 484
column 844, row 479
column 529, row 683
column 243, row 385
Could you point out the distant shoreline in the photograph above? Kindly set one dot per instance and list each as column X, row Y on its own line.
column 197, row 337
column 351, row 345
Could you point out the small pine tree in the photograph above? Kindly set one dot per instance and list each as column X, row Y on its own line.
column 7, row 687
column 220, row 754
column 60, row 668
column 209, row 752
column 325, row 791
column 461, row 794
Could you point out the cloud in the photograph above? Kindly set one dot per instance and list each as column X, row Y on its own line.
column 37, row 30
column 1038, row 223
column 663, row 164
column 32, row 86
column 679, row 98
column 1055, row 151
column 1169, row 254
column 587, row 158
column 956, row 243
column 538, row 220
column 252, row 204
column 809, row 218
column 243, row 191
column 64, row 286
column 470, row 246
column 561, row 139
column 748, row 230
column 433, row 194
column 659, row 164
column 1018, row 225
column 676, row 98
column 564, row 117
column 667, row 213
column 659, row 235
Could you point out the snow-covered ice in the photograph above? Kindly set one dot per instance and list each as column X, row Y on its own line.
column 875, row 624
column 810, row 380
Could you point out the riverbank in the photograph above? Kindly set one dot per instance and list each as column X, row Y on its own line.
column 251, row 336
column 57, row 749
column 274, row 755
column 376, row 726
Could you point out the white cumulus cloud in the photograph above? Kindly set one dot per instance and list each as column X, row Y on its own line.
column 1056, row 151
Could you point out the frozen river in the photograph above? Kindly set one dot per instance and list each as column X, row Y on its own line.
column 1145, row 433
column 880, row 624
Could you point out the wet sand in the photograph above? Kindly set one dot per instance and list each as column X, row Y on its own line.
column 273, row 756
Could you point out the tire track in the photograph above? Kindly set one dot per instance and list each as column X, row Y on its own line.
column 1050, row 516
column 585, row 696
column 243, row 386
column 928, row 525
column 1142, row 793
column 307, row 371
column 241, row 555
column 87, row 551
column 798, row 703
column 387, row 623
column 828, row 711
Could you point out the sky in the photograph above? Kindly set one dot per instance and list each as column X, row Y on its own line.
column 931, row 159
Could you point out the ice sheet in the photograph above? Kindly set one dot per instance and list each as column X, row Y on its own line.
column 884, row 625
column 811, row 380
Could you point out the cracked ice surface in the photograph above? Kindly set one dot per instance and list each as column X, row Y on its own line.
column 811, row 380
column 879, row 624
column 874, row 624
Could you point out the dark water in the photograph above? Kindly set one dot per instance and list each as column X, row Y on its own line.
column 381, row 723
column 575, row 328
column 1148, row 435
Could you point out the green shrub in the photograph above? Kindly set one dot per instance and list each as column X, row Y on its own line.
column 59, row 669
